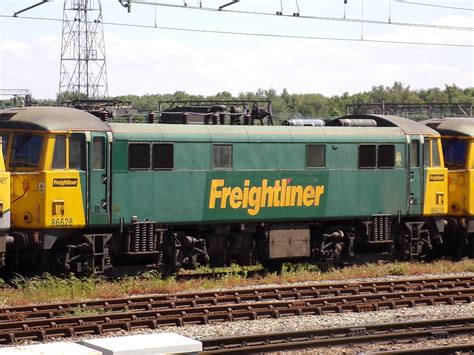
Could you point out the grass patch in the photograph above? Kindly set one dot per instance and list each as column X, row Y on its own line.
column 48, row 288
column 233, row 269
column 399, row 269
column 289, row 268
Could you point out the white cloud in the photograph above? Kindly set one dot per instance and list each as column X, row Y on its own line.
column 33, row 65
column 434, row 75
column 16, row 51
column 433, row 35
column 165, row 66
column 165, row 63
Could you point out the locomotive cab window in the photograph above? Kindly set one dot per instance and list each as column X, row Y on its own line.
column 76, row 152
column 4, row 146
column 414, row 153
column 436, row 160
column 162, row 157
column 426, row 153
column 59, row 155
column 367, row 156
column 386, row 156
column 455, row 153
column 139, row 156
column 98, row 150
column 221, row 156
column 315, row 156
column 26, row 150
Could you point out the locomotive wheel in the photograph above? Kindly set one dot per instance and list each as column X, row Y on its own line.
column 72, row 256
column 470, row 247
column 273, row 266
column 218, row 247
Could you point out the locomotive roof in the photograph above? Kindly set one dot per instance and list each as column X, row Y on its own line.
column 277, row 134
column 406, row 125
column 452, row 126
column 37, row 118
column 389, row 129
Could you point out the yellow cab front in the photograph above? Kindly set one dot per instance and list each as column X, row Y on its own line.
column 46, row 187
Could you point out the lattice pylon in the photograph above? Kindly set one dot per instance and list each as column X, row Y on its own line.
column 83, row 65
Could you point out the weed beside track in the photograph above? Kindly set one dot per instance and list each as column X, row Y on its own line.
column 48, row 288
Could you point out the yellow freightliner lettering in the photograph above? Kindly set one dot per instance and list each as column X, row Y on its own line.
column 253, row 198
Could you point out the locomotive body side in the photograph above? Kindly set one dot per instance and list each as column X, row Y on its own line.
column 267, row 177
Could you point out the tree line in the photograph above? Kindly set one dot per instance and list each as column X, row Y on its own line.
column 290, row 105
column 317, row 105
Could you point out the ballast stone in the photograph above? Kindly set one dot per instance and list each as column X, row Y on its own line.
column 161, row 343
column 59, row 348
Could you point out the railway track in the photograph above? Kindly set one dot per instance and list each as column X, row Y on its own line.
column 46, row 321
column 239, row 296
column 458, row 349
column 347, row 336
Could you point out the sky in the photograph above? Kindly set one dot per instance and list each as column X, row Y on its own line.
column 149, row 60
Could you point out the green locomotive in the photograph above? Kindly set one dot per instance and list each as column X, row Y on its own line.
column 89, row 195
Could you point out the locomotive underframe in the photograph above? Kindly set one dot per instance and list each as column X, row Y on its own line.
column 170, row 247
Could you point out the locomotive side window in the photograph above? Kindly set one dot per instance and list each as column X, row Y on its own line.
column 4, row 145
column 162, row 156
column 435, row 153
column 315, row 156
column 426, row 153
column 26, row 150
column 221, row 156
column 455, row 153
column 367, row 156
column 414, row 153
column 59, row 155
column 98, row 162
column 76, row 152
column 386, row 156
column 139, row 156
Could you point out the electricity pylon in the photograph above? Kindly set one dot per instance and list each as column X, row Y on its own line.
column 83, row 67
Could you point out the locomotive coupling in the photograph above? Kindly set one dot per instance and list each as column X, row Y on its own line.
column 16, row 241
column 4, row 241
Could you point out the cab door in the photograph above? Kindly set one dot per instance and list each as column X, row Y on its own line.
column 99, row 179
column 415, row 177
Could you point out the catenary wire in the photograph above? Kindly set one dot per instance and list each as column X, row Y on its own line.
column 300, row 16
column 257, row 34
column 433, row 5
